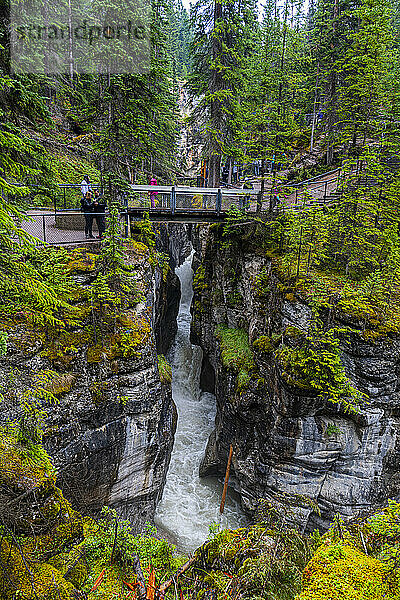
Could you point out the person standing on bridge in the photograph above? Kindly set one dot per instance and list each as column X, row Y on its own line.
column 87, row 209
column 153, row 181
column 99, row 212
column 86, row 186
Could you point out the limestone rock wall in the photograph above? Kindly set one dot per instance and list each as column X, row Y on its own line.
column 110, row 435
column 286, row 440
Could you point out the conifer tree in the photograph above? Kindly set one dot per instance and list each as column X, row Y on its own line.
column 223, row 37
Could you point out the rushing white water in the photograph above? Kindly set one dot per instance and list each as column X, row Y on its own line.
column 190, row 504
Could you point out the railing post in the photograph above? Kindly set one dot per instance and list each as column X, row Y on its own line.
column 259, row 201
column 65, row 201
column 219, row 201
column 326, row 187
column 126, row 214
column 173, row 200
column 44, row 227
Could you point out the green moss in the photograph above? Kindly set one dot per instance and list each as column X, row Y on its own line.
column 25, row 460
column 61, row 384
column 82, row 261
column 236, row 353
column 72, row 566
column 243, row 380
column 97, row 392
column 28, row 557
column 126, row 342
column 263, row 344
column 294, row 332
column 332, row 429
column 339, row 571
column 330, row 289
column 315, row 365
column 29, row 582
column 63, row 346
column 164, row 369
column 138, row 248
column 261, row 283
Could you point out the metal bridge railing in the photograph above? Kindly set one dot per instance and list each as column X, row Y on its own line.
column 65, row 227
column 175, row 198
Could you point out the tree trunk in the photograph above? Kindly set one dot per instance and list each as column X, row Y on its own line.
column 214, row 170
column 215, row 107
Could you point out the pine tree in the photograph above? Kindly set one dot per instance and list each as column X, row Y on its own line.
column 223, row 38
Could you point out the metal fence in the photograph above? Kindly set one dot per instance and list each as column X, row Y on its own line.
column 174, row 198
column 65, row 227
column 64, row 224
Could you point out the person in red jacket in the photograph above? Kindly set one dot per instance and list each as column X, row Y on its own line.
column 153, row 181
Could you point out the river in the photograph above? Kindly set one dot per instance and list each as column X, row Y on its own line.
column 190, row 504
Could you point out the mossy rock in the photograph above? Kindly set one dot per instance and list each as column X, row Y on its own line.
column 27, row 581
column 19, row 467
column 263, row 344
column 82, row 261
column 137, row 247
column 72, row 566
column 294, row 332
column 98, row 391
column 43, row 523
column 127, row 342
column 339, row 571
column 62, row 384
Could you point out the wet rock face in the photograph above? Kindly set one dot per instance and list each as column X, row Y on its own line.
column 110, row 434
column 286, row 440
column 166, row 310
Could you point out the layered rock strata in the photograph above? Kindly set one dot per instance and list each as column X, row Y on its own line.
column 290, row 446
column 110, row 434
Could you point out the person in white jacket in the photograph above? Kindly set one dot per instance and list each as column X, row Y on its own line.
column 86, row 186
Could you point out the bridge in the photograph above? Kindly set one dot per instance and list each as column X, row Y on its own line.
column 210, row 205
column 64, row 224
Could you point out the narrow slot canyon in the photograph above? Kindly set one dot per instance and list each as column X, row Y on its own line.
column 190, row 504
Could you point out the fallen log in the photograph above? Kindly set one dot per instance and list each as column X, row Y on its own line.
column 164, row 586
column 228, row 469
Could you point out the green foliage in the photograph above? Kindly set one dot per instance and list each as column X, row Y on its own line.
column 356, row 560
column 223, row 35
column 267, row 344
column 37, row 286
column 332, row 429
column 22, row 455
column 3, row 343
column 315, row 365
column 236, row 353
column 161, row 261
column 114, row 290
column 261, row 283
column 264, row 561
column 164, row 369
column 144, row 232
column 233, row 218
column 111, row 540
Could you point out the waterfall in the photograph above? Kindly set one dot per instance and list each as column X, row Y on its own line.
column 189, row 504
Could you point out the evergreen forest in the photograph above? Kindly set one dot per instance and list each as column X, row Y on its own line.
column 200, row 300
